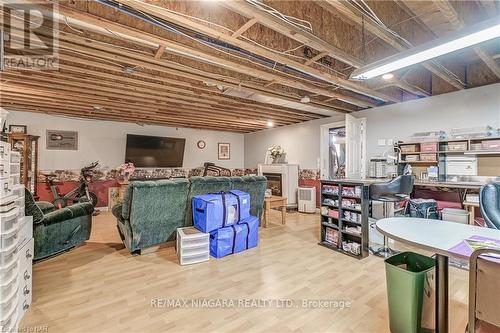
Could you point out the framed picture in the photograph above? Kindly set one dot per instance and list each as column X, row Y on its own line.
column 19, row 129
column 62, row 140
column 224, row 151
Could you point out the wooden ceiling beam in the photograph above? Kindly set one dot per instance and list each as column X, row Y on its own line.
column 115, row 90
column 244, row 27
column 169, row 16
column 119, row 110
column 76, row 113
column 347, row 10
column 457, row 23
column 317, row 57
column 131, row 35
column 79, row 44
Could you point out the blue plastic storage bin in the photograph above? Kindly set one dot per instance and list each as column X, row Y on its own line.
column 235, row 238
column 217, row 210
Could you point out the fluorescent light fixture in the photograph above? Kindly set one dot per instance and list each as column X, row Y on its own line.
column 270, row 123
column 388, row 76
column 466, row 37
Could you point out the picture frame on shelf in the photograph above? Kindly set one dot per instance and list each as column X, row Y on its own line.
column 224, row 151
column 18, row 129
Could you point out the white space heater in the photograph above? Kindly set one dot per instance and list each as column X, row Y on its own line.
column 307, row 199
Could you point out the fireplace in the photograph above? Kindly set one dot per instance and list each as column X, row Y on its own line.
column 274, row 183
column 283, row 180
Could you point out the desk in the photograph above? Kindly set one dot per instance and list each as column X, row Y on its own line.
column 274, row 202
column 438, row 237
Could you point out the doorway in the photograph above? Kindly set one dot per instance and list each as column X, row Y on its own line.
column 343, row 149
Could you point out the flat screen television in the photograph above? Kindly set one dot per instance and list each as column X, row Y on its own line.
column 154, row 151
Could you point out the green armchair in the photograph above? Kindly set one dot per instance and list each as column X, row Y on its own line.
column 56, row 231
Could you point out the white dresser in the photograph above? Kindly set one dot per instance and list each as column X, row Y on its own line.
column 16, row 243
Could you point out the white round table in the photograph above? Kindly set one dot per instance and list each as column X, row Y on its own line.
column 438, row 237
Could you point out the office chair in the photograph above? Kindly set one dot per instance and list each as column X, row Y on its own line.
column 484, row 292
column 489, row 201
column 397, row 190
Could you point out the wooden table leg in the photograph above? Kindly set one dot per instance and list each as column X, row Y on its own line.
column 283, row 214
column 472, row 212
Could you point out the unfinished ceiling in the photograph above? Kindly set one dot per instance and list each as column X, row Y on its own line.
column 236, row 65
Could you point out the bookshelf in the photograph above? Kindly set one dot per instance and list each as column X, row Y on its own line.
column 345, row 208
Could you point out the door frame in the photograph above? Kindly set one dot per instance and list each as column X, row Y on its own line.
column 324, row 137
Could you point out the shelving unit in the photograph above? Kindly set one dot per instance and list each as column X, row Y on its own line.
column 27, row 146
column 335, row 221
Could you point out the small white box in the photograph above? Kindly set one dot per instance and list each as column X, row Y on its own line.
column 4, row 150
column 6, row 187
column 192, row 246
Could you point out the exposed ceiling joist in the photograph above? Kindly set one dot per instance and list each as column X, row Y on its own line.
column 258, row 50
column 451, row 15
column 347, row 10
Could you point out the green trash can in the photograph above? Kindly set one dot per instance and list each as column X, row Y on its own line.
column 407, row 275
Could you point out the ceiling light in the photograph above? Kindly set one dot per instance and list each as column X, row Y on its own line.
column 466, row 37
column 305, row 99
column 270, row 123
column 388, row 76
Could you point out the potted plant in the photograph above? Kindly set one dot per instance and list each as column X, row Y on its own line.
column 277, row 154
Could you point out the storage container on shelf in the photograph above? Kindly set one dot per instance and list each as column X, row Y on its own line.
column 6, row 185
column 456, row 146
column 8, row 256
column 491, row 145
column 413, row 148
column 9, row 221
column 20, row 204
column 7, row 272
column 9, row 239
column 429, row 147
column 15, row 179
column 8, row 302
column 14, row 168
column 428, row 157
column 15, row 157
column 4, row 151
column 18, row 191
column 4, row 169
column 25, row 233
column 7, row 203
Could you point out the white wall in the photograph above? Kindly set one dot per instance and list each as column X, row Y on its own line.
column 466, row 108
column 105, row 141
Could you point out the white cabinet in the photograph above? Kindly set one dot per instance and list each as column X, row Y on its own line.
column 284, row 178
column 16, row 248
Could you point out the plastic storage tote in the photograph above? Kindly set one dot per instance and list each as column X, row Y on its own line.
column 455, row 215
column 217, row 210
column 409, row 279
column 235, row 238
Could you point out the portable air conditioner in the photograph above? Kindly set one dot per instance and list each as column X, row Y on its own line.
column 307, row 199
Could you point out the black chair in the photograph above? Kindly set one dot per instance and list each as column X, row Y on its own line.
column 397, row 190
column 489, row 201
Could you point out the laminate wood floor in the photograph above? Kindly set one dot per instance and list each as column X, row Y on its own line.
column 100, row 287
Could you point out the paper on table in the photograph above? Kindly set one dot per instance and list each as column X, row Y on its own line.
column 467, row 246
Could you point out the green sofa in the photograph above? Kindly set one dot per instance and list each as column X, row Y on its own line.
column 56, row 231
column 152, row 211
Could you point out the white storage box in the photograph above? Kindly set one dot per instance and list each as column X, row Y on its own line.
column 7, row 203
column 455, row 215
column 18, row 191
column 8, row 256
column 8, row 302
column 4, row 169
column 8, row 272
column 14, row 168
column 4, row 150
column 461, row 165
column 15, row 157
column 9, row 221
column 192, row 246
column 15, row 179
column 25, row 230
column 6, row 187
column 9, row 239
column 20, row 205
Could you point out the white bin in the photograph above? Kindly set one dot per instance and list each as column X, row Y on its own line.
column 455, row 215
column 192, row 246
